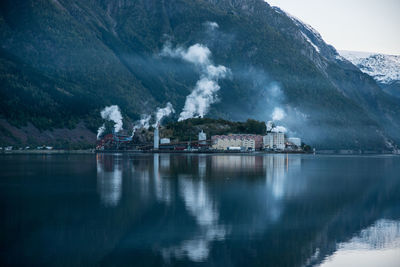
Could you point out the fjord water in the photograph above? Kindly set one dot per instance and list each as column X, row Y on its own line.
column 214, row 210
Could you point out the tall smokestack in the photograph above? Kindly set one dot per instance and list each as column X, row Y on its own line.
column 156, row 138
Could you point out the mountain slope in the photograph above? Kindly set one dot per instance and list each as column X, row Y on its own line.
column 95, row 53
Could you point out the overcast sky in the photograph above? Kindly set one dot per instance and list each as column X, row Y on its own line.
column 356, row 25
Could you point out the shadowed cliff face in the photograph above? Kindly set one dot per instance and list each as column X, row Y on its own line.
column 63, row 61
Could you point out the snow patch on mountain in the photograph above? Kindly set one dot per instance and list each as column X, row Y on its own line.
column 307, row 31
column 383, row 68
column 309, row 41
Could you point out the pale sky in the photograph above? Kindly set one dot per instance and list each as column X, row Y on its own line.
column 355, row 25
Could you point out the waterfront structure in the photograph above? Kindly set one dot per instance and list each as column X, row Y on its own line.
column 244, row 141
column 165, row 141
column 156, row 138
column 274, row 140
column 295, row 141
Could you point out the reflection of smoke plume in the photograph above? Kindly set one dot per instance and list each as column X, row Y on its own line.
column 142, row 123
column 278, row 114
column 163, row 112
column 111, row 113
column 204, row 93
column 200, row 205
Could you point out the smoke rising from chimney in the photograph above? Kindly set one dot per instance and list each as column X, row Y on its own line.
column 163, row 112
column 279, row 129
column 271, row 127
column 205, row 92
column 100, row 131
column 144, row 123
column 111, row 113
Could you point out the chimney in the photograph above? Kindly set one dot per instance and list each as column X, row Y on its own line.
column 156, row 138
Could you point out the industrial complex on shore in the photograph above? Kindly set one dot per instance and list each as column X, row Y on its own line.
column 273, row 140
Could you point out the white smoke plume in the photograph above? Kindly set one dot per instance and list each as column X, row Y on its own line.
column 144, row 123
column 111, row 113
column 163, row 112
column 197, row 54
column 100, row 131
column 279, row 129
column 205, row 92
column 211, row 25
column 271, row 127
column 278, row 114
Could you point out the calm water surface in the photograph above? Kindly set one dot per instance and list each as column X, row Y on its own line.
column 187, row 210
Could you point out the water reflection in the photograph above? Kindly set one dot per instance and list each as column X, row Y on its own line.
column 162, row 186
column 198, row 206
column 377, row 245
column 109, row 179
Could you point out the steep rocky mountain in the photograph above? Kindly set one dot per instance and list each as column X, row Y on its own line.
column 385, row 69
column 62, row 61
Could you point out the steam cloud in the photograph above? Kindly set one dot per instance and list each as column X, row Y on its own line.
column 278, row 114
column 205, row 92
column 163, row 112
column 279, row 129
column 271, row 127
column 144, row 122
column 212, row 25
column 101, row 130
column 111, row 113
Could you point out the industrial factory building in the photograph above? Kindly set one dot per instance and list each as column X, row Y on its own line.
column 237, row 142
column 274, row 141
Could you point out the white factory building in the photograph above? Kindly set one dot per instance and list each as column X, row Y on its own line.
column 274, row 140
column 237, row 142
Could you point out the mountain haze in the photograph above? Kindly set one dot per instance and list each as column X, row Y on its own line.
column 62, row 61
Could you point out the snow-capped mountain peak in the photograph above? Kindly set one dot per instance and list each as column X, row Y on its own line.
column 383, row 68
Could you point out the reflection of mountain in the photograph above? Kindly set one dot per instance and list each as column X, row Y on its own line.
column 383, row 234
column 377, row 245
column 284, row 210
